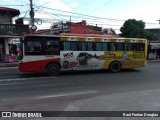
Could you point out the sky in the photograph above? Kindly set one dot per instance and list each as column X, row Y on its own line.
column 104, row 13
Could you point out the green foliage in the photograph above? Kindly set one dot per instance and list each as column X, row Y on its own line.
column 109, row 31
column 136, row 29
column 97, row 28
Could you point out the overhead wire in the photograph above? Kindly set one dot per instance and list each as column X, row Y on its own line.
column 82, row 14
column 99, row 20
column 90, row 16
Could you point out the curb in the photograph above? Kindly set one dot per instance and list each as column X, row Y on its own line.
column 9, row 64
column 151, row 61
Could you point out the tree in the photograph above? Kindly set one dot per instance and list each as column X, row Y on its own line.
column 133, row 28
column 109, row 31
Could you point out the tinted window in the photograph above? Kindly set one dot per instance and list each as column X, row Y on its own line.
column 66, row 46
column 82, row 46
column 120, row 46
column 73, row 46
column 33, row 48
column 104, row 46
column 141, row 47
column 52, row 47
column 90, row 46
column 98, row 46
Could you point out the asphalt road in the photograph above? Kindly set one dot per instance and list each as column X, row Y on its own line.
column 32, row 91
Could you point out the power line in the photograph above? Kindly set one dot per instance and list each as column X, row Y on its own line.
column 110, row 19
column 89, row 21
column 49, row 15
column 100, row 23
column 83, row 14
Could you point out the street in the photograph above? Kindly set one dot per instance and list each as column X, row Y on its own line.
column 36, row 91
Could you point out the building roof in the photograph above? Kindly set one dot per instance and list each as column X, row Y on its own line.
column 12, row 11
column 42, row 31
column 153, row 29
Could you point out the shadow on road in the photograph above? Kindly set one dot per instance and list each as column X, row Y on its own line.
column 28, row 75
column 96, row 72
column 68, row 73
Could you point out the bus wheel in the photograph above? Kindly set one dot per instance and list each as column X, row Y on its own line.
column 52, row 69
column 114, row 67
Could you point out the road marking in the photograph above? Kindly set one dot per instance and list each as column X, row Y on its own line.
column 19, row 79
column 6, row 84
column 41, row 86
column 67, row 94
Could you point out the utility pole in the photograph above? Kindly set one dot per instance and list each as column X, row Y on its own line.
column 70, row 24
column 33, row 27
column 62, row 26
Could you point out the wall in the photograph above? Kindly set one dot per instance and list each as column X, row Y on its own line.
column 6, row 45
column 5, row 19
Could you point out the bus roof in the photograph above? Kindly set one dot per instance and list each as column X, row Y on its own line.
column 80, row 35
column 44, row 35
column 71, row 35
column 86, row 35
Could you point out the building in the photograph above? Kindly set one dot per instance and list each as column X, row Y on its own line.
column 8, row 30
column 75, row 28
column 154, row 50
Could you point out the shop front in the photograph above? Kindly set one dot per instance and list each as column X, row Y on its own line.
column 9, row 48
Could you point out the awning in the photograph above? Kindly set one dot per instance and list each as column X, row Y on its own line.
column 155, row 47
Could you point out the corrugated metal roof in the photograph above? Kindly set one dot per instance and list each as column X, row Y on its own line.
column 12, row 11
column 155, row 44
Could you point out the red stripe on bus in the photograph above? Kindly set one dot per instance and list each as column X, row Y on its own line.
column 36, row 66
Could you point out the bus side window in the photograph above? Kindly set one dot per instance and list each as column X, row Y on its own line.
column 90, row 46
column 98, row 46
column 66, row 46
column 52, row 47
column 120, row 46
column 73, row 46
column 134, row 46
column 112, row 46
column 104, row 46
column 127, row 46
column 81, row 46
column 140, row 47
column 33, row 48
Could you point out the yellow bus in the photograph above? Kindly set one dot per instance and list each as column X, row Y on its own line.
column 53, row 54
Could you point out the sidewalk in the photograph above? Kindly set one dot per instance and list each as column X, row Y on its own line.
column 158, row 60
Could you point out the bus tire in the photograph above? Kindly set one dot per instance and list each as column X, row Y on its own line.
column 53, row 69
column 115, row 67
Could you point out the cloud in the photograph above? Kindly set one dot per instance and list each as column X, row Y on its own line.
column 55, row 4
column 74, row 5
